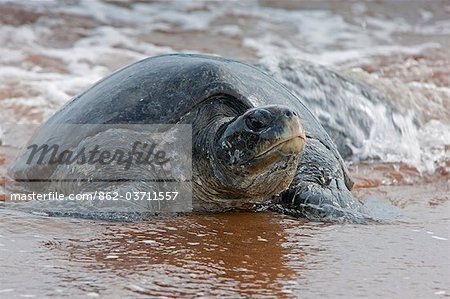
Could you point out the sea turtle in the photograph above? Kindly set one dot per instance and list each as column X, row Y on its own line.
column 254, row 142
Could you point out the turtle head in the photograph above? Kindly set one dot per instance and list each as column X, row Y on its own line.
column 258, row 151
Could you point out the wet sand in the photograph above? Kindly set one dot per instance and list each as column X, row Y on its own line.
column 235, row 254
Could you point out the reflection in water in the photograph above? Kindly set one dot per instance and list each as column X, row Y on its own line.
column 221, row 254
column 228, row 255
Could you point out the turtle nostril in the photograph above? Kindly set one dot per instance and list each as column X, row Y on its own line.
column 288, row 113
column 258, row 119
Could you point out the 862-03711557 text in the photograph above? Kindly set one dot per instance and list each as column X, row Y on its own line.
column 97, row 195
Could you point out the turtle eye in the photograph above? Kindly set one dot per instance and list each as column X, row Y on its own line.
column 258, row 119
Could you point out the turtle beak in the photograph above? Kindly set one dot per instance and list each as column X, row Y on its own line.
column 292, row 139
column 296, row 128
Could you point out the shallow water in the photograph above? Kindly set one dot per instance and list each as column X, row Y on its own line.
column 52, row 50
column 237, row 254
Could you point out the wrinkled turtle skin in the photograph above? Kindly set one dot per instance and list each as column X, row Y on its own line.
column 224, row 100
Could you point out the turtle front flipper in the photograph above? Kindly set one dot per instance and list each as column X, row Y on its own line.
column 320, row 203
column 319, row 190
